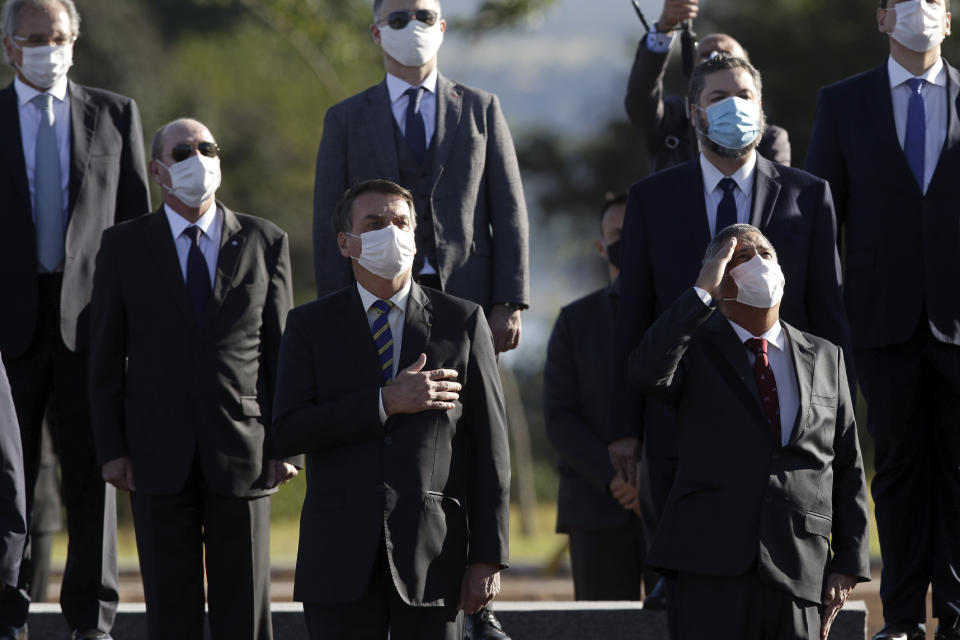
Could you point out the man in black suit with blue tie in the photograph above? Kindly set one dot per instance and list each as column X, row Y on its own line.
column 888, row 141
column 672, row 215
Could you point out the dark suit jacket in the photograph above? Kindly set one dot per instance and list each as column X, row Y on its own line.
column 665, row 234
column 739, row 497
column 480, row 218
column 901, row 245
column 435, row 485
column 13, row 507
column 108, row 183
column 576, row 407
column 163, row 386
column 664, row 121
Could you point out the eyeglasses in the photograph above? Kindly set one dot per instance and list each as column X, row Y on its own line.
column 42, row 41
column 184, row 150
column 400, row 19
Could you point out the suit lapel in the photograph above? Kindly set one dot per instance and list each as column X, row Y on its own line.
column 766, row 188
column 378, row 119
column 417, row 322
column 83, row 122
column 232, row 242
column 11, row 148
column 690, row 190
column 449, row 107
column 730, row 357
column 953, row 126
column 803, row 360
column 878, row 104
column 161, row 246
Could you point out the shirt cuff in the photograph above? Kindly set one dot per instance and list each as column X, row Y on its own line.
column 383, row 413
column 657, row 42
column 706, row 297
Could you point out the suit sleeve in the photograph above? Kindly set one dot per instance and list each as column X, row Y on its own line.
column 850, row 541
column 508, row 213
column 305, row 422
column 775, row 145
column 13, row 513
column 575, row 442
column 332, row 270
column 133, row 192
column 825, row 157
column 485, row 414
column 107, row 354
column 635, row 313
column 644, row 102
column 278, row 303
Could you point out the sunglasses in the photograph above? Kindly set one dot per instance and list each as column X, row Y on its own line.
column 184, row 150
column 400, row 19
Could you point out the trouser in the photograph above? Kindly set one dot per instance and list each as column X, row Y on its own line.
column 913, row 394
column 380, row 613
column 50, row 372
column 176, row 533
column 658, row 474
column 608, row 564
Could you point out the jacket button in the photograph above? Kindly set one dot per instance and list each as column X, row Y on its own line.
column 388, row 440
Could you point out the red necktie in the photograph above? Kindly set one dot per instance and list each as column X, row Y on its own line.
column 766, row 384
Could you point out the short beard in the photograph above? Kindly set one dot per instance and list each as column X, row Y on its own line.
column 726, row 152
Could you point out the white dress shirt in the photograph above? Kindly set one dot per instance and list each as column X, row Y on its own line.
column 742, row 193
column 211, row 223
column 781, row 362
column 934, row 94
column 29, row 125
column 395, row 319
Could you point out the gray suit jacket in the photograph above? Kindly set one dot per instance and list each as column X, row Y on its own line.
column 798, row 510
column 480, row 218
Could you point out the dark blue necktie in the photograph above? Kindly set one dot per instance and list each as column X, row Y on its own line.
column 915, row 139
column 383, row 338
column 727, row 209
column 198, row 273
column 415, row 133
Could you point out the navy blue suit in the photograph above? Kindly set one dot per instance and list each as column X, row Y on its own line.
column 901, row 276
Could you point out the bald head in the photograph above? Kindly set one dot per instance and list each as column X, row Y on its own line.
column 179, row 130
column 720, row 42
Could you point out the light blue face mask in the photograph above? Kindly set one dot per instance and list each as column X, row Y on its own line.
column 733, row 122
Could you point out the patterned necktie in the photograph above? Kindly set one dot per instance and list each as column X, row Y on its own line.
column 766, row 384
column 915, row 139
column 48, row 205
column 198, row 272
column 382, row 337
column 727, row 209
column 415, row 133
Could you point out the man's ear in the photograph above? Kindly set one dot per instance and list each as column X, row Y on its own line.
column 375, row 33
column 342, row 243
column 156, row 171
column 881, row 16
column 601, row 249
column 946, row 27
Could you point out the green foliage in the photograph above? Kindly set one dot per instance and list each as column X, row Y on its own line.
column 497, row 14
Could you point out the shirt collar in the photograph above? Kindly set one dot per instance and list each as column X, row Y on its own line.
column 936, row 74
column 774, row 335
column 178, row 223
column 396, row 86
column 26, row 93
column 399, row 299
column 743, row 176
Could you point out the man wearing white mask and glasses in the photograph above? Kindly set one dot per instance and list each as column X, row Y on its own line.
column 888, row 141
column 447, row 143
column 73, row 165
column 189, row 305
column 670, row 218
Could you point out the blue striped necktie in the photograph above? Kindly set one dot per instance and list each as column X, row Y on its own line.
column 383, row 338
column 48, row 192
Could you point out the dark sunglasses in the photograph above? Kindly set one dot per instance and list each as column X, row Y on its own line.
column 182, row 151
column 400, row 19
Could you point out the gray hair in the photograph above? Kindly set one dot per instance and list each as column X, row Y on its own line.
column 10, row 18
column 739, row 230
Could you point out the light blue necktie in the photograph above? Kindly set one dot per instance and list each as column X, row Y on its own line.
column 915, row 139
column 48, row 204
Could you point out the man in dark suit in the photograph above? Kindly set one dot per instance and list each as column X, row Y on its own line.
column 597, row 508
column 447, row 143
column 767, row 446
column 888, row 140
column 13, row 510
column 671, row 216
column 670, row 138
column 392, row 392
column 188, row 308
column 73, row 165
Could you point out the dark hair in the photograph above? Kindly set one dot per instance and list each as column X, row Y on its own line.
column 734, row 231
column 612, row 200
column 342, row 219
column 719, row 62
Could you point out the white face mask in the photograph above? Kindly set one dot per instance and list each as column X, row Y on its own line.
column 386, row 252
column 194, row 180
column 759, row 282
column 414, row 45
column 44, row 66
column 919, row 25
